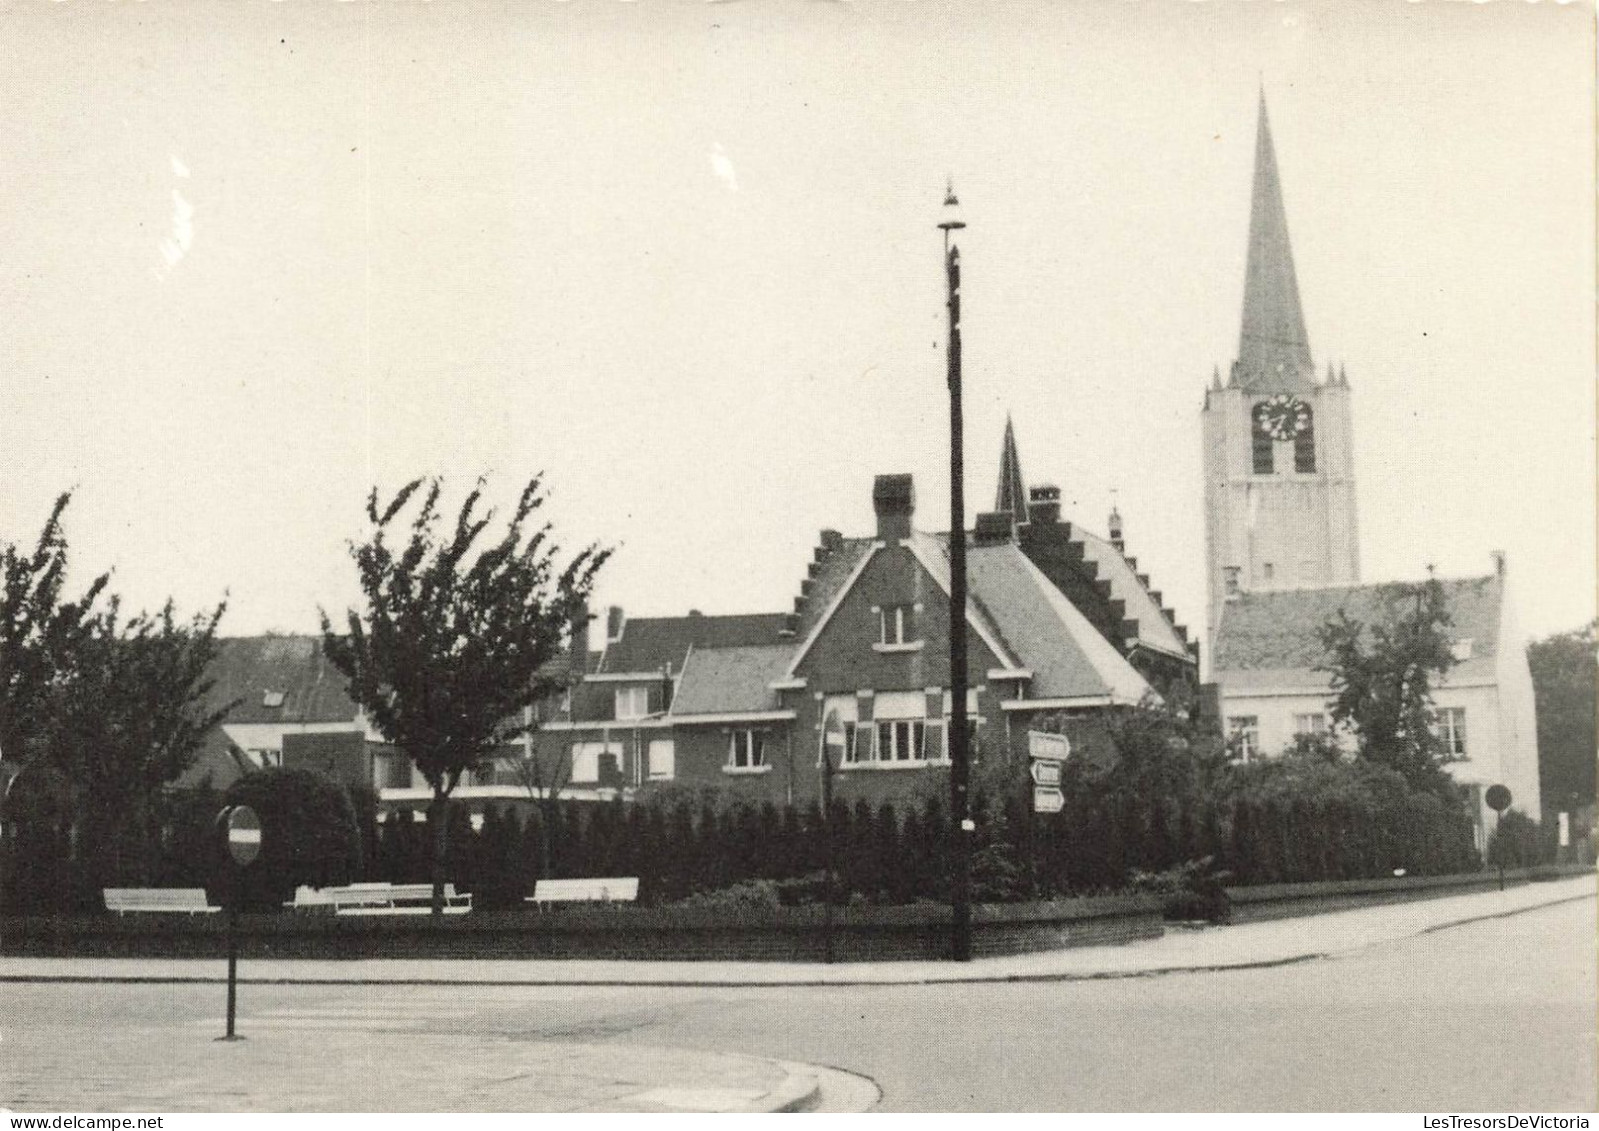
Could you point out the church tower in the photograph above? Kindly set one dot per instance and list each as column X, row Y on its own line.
column 1279, row 474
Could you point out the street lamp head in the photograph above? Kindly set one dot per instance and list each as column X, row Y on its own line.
column 952, row 210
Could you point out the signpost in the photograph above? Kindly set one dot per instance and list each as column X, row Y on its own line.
column 244, row 845
column 1498, row 799
column 1048, row 752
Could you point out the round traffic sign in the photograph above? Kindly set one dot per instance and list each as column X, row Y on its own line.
column 244, row 834
column 1498, row 798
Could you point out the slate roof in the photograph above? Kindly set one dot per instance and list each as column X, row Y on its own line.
column 832, row 573
column 247, row 668
column 648, row 644
column 1273, row 348
column 1067, row 655
column 724, row 680
column 1154, row 629
column 1275, row 635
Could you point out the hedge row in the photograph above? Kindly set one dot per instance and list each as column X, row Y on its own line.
column 892, row 854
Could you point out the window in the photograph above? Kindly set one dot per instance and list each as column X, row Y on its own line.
column 271, row 698
column 746, row 749
column 902, row 740
column 1230, row 580
column 896, row 627
column 662, row 759
column 1315, row 723
column 1260, row 442
column 586, row 760
column 1450, row 726
column 1268, row 572
column 632, row 702
column 1305, row 446
column 269, row 759
column 1244, row 732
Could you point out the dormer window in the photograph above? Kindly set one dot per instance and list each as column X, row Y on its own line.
column 632, row 702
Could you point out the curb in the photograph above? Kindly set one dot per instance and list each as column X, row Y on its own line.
column 771, row 983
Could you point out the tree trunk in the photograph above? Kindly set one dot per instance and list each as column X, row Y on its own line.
column 438, row 810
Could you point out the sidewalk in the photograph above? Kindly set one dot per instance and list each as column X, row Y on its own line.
column 1271, row 943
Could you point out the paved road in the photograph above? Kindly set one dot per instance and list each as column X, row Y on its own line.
column 1490, row 1016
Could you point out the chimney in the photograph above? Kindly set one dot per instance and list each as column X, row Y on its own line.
column 994, row 528
column 894, row 500
column 1116, row 530
column 1499, row 563
column 1043, row 505
column 614, row 620
column 578, row 661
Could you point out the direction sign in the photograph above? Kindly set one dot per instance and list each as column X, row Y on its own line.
column 1046, row 773
column 1048, row 799
column 1048, row 747
column 244, row 834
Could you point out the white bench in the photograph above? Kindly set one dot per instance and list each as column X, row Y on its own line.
column 380, row 899
column 615, row 890
column 171, row 901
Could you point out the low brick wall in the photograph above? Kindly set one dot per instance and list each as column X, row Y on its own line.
column 1284, row 901
column 860, row 934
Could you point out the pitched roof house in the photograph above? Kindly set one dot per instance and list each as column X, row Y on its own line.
column 1272, row 672
column 739, row 701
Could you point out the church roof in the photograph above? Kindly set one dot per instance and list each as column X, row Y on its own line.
column 1273, row 638
column 1273, row 347
column 1011, row 497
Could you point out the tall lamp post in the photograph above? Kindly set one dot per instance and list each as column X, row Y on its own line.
column 959, row 755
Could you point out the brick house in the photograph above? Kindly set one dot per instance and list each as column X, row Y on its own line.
column 1061, row 623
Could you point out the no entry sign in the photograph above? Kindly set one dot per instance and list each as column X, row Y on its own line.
column 244, row 834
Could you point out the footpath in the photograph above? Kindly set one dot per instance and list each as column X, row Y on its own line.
column 57, row 1063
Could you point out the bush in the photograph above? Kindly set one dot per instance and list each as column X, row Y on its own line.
column 1192, row 890
column 746, row 896
column 308, row 835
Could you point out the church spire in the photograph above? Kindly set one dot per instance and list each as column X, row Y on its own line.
column 1273, row 348
column 1011, row 498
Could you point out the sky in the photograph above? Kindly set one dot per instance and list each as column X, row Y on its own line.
column 681, row 257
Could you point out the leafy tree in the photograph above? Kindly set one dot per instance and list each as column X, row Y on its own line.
column 456, row 637
column 129, row 720
column 1383, row 674
column 99, row 711
column 41, row 632
column 1565, row 680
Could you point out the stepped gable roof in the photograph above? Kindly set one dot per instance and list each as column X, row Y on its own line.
column 1155, row 629
column 831, row 575
column 649, row 644
column 1066, row 654
column 255, row 670
column 1275, row 635
column 719, row 681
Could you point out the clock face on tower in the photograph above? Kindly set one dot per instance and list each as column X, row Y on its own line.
column 1282, row 417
